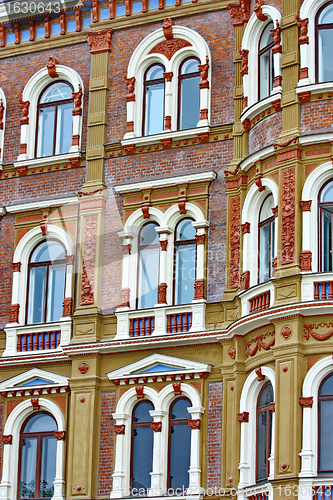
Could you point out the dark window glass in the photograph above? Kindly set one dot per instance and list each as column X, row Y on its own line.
column 325, row 227
column 180, row 445
column 142, row 446
column 54, row 131
column 47, row 271
column 185, row 260
column 324, row 43
column 264, row 431
column 188, row 102
column 149, row 253
column 154, row 100
column 325, row 438
column 266, row 240
column 38, row 448
column 266, row 65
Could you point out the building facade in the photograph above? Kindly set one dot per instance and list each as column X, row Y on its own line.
column 166, row 249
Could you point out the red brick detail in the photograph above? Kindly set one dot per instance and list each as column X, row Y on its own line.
column 166, row 143
column 162, row 291
column 22, row 170
column 130, row 127
column 303, row 73
column 108, row 407
column 243, row 417
column 169, row 47
column 130, row 149
column 60, row 435
column 7, row 438
column 288, row 155
column 168, row 76
column 16, row 267
column 277, row 81
column 75, row 140
column 167, row 123
column 306, row 402
column 306, row 260
column 14, row 313
column 23, row 149
column 199, row 289
column 240, row 13
column 235, row 208
column 306, row 205
column 67, row 306
column 288, row 216
column 203, row 137
column 245, row 227
column 245, row 281
column 305, row 96
column 214, row 434
column 204, row 114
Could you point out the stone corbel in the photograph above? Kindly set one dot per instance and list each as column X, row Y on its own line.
column 51, row 67
column 24, row 120
column 240, row 13
column 7, row 438
column 276, row 34
column 258, row 10
column 177, row 388
column 245, row 281
column 100, row 41
column 182, row 198
column 167, row 28
column 243, row 417
column 259, row 374
column 32, row 30
column 78, row 19
column 47, row 26
column 306, row 260
column 303, row 25
column 2, row 112
column 146, row 203
column 2, row 35
column 77, row 96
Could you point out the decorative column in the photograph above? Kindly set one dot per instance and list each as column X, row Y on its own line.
column 168, row 100
column 122, row 430
column 77, row 113
column 306, row 255
column 159, row 452
column 125, row 291
column 130, row 98
column 204, row 93
column 59, row 480
column 194, row 470
column 24, row 120
column 199, row 302
column 162, row 287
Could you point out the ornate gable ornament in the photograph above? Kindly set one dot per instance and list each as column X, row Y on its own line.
column 34, row 382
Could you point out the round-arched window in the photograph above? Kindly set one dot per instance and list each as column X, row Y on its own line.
column 266, row 225
column 188, row 94
column 325, row 427
column 149, row 252
column 325, row 205
column 264, row 431
column 153, row 115
column 185, row 260
column 180, row 444
column 266, row 64
column 324, row 43
column 142, row 446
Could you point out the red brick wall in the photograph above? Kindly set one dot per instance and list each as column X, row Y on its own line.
column 214, row 435
column 6, row 270
column 265, row 132
column 106, row 443
column 316, row 115
column 1, row 432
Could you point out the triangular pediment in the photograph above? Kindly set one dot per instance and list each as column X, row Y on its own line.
column 159, row 367
column 34, row 381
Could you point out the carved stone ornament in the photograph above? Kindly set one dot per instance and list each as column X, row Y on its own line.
column 286, row 332
column 32, row 30
column 306, row 402
column 16, row 267
column 43, row 227
column 167, row 142
column 167, row 126
column 303, row 25
column 258, row 182
column 35, row 403
column 200, row 238
column 130, row 82
column 168, row 76
column 194, row 423
column 310, row 330
column 167, row 28
column 139, row 391
column 2, row 111
column 24, row 120
column 203, row 68
column 276, row 34
column 181, row 205
column 145, row 210
column 126, row 249
column 259, row 374
column 235, row 206
column 83, row 367
column 47, row 26
column 7, row 438
column 240, row 13
column 156, row 426
column 258, row 11
column 304, row 96
column 271, row 407
column 60, row 435
column 275, row 211
column 177, row 388
column 243, row 417
column 163, row 245
column 62, row 22
column 78, row 19
column 245, row 280
column 245, row 227
column 100, row 41
column 288, row 216
column 51, row 67
column 124, row 297
column 162, row 291
column 169, row 47
column 257, row 343
column 306, row 205
column 247, row 124
column 119, row 428
column 14, row 313
column 245, row 61
column 306, row 260
column 67, row 307
column 88, row 260
column 199, row 289
column 232, row 352
column 274, row 265
column 77, row 96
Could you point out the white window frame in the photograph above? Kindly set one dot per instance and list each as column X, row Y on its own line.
column 250, row 42
column 161, row 401
column 140, row 62
column 32, row 92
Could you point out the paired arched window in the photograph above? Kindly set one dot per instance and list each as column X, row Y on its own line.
column 54, row 127
column 264, row 431
column 46, row 282
column 185, row 259
column 149, row 252
column 37, row 458
column 179, row 444
column 153, row 106
column 142, row 446
column 188, row 94
column 266, row 63
column 325, row 205
column 324, row 42
column 266, row 227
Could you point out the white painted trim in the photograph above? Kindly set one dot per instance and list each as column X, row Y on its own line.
column 47, row 160
column 316, row 138
column 2, row 132
column 37, row 205
column 19, row 380
column 8, row 485
column 247, row 163
column 251, row 111
column 155, row 138
column 252, row 292
column 248, row 403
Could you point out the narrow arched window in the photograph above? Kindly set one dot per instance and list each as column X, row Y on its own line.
column 54, row 114
column 185, row 260
column 153, row 122
column 149, row 252
column 325, row 225
column 325, row 428
column 324, row 43
column 142, row 446
column 179, row 444
column 46, row 282
column 38, row 449
column 188, row 94
column 266, row 226
column 264, row 431
column 266, row 65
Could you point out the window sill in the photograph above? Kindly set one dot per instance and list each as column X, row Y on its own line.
column 147, row 140
column 255, row 109
column 45, row 161
column 315, row 88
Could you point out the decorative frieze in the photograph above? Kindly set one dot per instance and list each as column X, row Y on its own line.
column 257, row 343
column 235, row 206
column 288, row 216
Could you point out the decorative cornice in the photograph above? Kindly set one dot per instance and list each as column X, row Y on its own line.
column 100, row 41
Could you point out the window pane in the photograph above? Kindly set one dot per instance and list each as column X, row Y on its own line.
column 326, row 239
column 266, row 37
column 327, row 387
column 37, row 289
column 180, row 445
column 179, row 409
column 40, row 423
column 64, row 128
column 28, row 467
column 154, row 112
column 45, row 131
column 272, row 245
column 185, row 274
column 189, row 66
column 141, row 413
column 185, row 230
column 189, row 103
column 327, row 193
column 155, row 73
column 148, row 277
column 262, row 446
column 326, row 436
column 56, row 291
column 142, row 457
column 326, row 17
column 57, row 92
column 266, row 74
column 266, row 209
column 266, row 396
column 264, row 253
column 325, row 43
column 48, row 466
column 48, row 251
column 148, row 234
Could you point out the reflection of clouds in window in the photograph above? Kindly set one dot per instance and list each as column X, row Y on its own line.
column 266, row 64
column 185, row 246
column 148, row 266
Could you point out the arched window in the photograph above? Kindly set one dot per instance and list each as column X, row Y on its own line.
column 325, row 434
column 266, row 225
column 188, row 94
column 325, row 224
column 153, row 100
column 149, row 252
column 37, row 460
column 264, row 431
column 54, row 130
column 142, row 446
column 46, row 282
column 179, row 444
column 266, row 64
column 185, row 260
column 324, row 43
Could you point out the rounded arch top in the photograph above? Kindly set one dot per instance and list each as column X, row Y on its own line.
column 310, row 8
column 315, row 375
column 255, row 27
column 252, row 387
column 254, row 199
column 136, row 220
column 315, row 180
